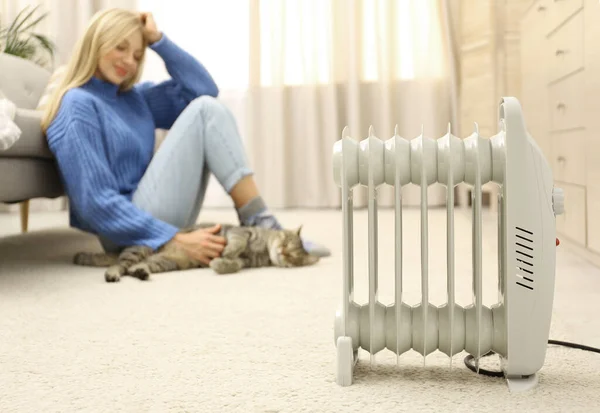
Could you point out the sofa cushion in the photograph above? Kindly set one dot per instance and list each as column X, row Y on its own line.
column 32, row 143
column 22, row 81
column 22, row 179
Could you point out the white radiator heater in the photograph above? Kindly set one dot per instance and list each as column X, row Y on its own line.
column 517, row 326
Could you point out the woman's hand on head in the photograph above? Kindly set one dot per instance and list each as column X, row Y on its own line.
column 150, row 31
column 201, row 245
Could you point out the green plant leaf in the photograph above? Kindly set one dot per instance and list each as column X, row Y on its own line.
column 19, row 41
column 34, row 23
column 21, row 48
column 18, row 26
column 46, row 43
column 16, row 20
column 41, row 62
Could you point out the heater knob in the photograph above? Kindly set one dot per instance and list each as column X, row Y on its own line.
column 558, row 201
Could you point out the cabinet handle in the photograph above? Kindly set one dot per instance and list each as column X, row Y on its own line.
column 541, row 8
column 561, row 159
column 560, row 106
column 559, row 52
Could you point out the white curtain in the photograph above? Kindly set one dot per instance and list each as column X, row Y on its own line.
column 295, row 72
column 317, row 66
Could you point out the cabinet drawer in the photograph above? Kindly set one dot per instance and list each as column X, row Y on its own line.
column 566, row 105
column 564, row 49
column 571, row 223
column 569, row 160
column 557, row 11
column 536, row 18
column 593, row 217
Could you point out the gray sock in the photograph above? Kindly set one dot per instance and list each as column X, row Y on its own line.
column 255, row 213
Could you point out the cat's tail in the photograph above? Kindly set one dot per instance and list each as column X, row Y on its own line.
column 95, row 259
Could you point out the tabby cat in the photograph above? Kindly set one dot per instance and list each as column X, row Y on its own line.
column 246, row 247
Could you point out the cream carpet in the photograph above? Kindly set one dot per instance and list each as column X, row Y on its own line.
column 258, row 341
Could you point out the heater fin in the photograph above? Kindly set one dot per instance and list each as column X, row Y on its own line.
column 424, row 246
column 398, row 240
column 372, row 163
column 450, row 241
column 349, row 161
column 477, row 239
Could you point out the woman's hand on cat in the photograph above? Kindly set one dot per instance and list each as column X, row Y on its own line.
column 202, row 245
column 151, row 33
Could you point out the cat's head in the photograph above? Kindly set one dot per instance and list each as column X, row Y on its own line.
column 288, row 250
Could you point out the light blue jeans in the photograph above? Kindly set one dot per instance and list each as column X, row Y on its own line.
column 204, row 140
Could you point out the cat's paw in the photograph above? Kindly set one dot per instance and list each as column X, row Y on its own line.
column 141, row 271
column 224, row 266
column 217, row 265
column 112, row 275
column 81, row 258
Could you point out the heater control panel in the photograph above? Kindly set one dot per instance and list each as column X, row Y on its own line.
column 558, row 201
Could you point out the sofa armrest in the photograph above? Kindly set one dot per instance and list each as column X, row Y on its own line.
column 32, row 143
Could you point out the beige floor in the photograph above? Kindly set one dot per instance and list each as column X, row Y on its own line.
column 259, row 341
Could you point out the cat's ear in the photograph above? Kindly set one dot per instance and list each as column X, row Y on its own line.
column 299, row 230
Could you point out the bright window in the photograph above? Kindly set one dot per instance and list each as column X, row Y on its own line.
column 297, row 41
column 213, row 31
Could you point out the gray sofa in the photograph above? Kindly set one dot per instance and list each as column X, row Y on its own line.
column 27, row 169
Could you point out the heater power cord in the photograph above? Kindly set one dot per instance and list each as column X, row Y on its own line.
column 469, row 360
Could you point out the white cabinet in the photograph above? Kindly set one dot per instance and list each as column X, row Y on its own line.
column 560, row 94
column 591, row 114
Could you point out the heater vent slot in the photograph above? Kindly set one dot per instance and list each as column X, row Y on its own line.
column 524, row 246
column 524, row 254
column 526, row 286
column 525, row 270
column 525, row 262
column 524, row 238
column 524, row 230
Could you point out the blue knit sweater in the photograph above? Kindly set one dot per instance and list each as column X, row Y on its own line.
column 103, row 141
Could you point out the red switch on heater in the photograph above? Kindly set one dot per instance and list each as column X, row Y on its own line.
column 557, row 242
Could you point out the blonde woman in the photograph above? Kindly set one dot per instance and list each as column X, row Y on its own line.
column 100, row 127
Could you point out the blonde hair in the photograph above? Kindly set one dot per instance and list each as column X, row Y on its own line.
column 105, row 31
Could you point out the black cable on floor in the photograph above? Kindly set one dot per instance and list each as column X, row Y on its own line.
column 574, row 345
column 471, row 365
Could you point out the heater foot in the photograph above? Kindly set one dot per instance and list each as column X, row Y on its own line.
column 346, row 359
column 522, row 383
